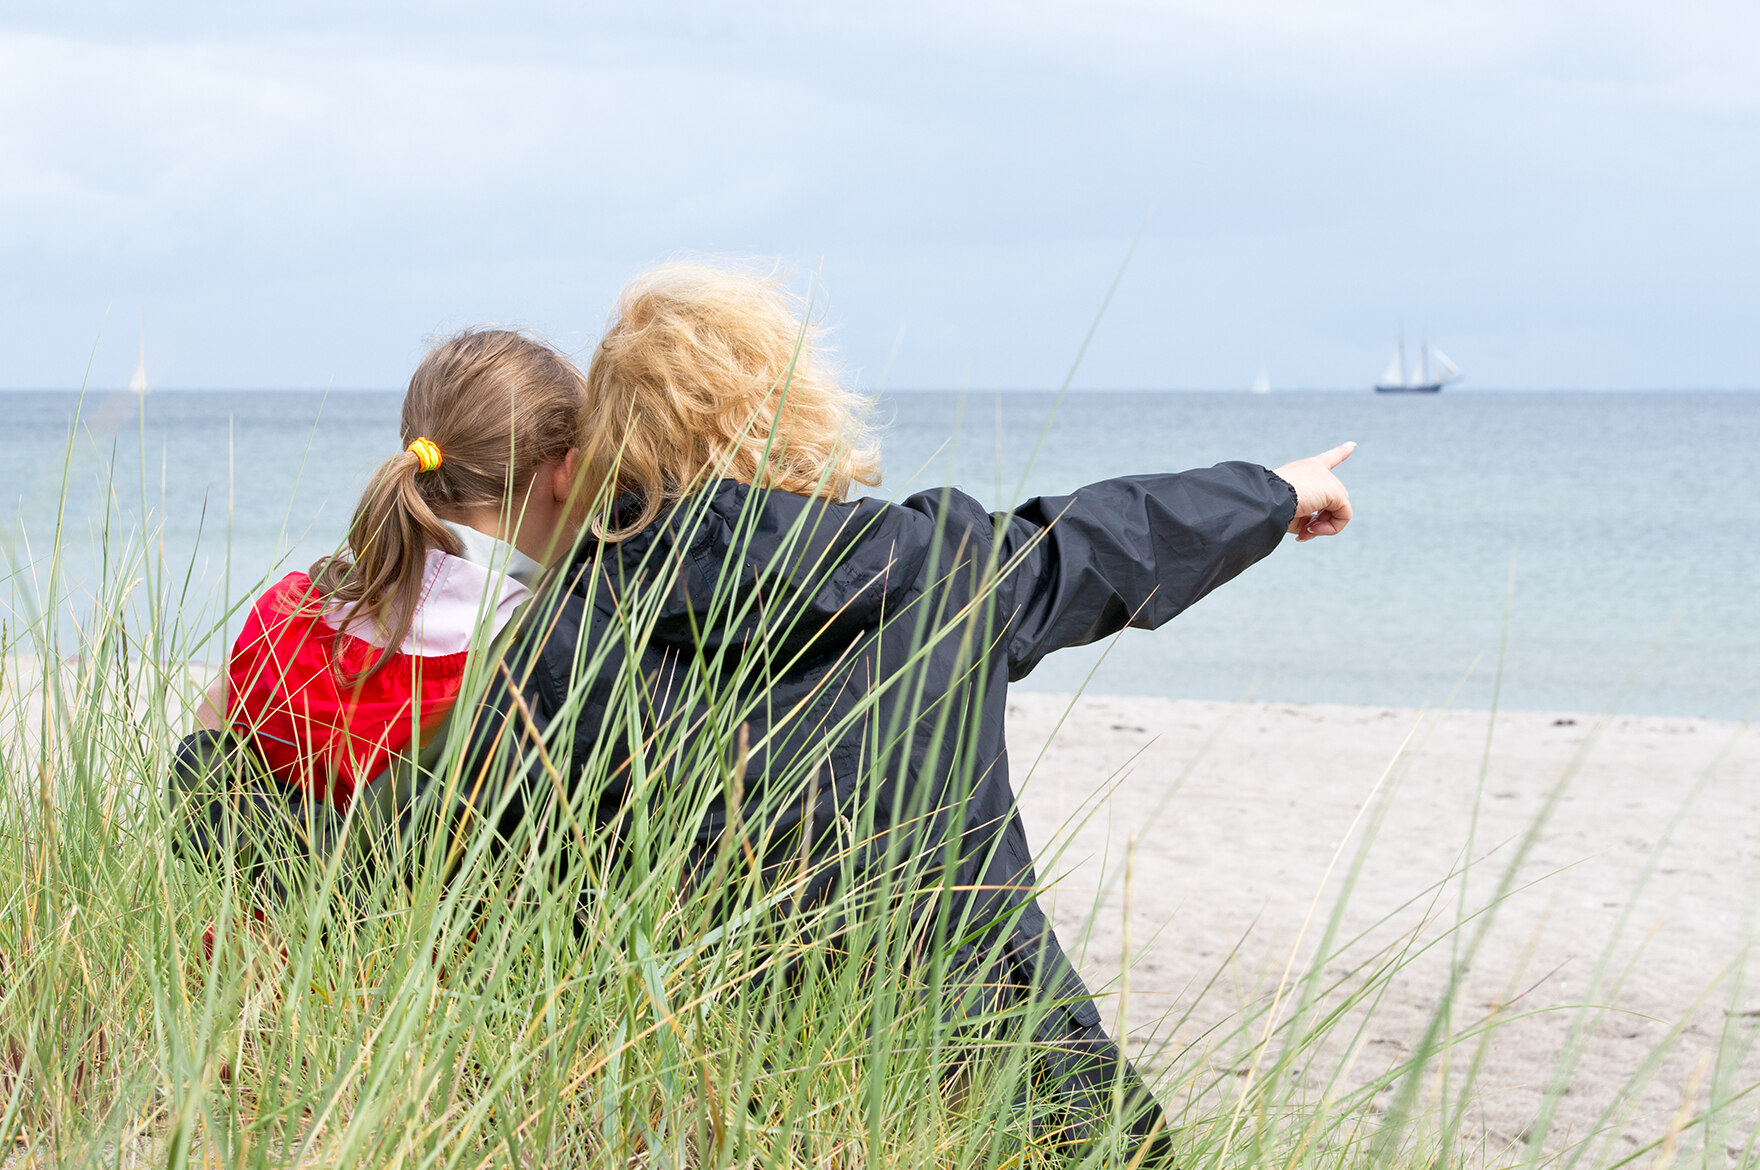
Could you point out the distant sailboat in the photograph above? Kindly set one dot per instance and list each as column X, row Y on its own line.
column 1262, row 384
column 138, row 384
column 1433, row 370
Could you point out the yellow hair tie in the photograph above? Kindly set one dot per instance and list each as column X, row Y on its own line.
column 426, row 453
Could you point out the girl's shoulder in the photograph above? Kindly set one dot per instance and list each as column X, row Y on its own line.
column 294, row 597
column 292, row 615
column 285, row 611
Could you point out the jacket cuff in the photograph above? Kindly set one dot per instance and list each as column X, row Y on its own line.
column 1288, row 510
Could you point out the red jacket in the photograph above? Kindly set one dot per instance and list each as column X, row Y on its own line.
column 316, row 731
column 327, row 736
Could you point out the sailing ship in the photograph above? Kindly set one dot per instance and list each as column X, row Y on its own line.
column 1262, row 384
column 1432, row 371
column 137, row 385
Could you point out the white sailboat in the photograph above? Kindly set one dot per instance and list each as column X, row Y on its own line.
column 138, row 384
column 1431, row 372
column 1262, row 384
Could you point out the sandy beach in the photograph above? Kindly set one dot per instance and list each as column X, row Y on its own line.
column 1643, row 869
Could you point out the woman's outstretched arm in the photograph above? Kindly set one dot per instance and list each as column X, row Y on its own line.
column 1138, row 550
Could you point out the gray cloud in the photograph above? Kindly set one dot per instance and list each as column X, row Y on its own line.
column 298, row 195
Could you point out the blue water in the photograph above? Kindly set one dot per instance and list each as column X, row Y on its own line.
column 1628, row 519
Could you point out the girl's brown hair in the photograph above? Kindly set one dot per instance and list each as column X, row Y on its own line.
column 497, row 404
column 706, row 371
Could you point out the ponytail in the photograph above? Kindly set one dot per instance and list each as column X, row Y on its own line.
column 483, row 411
column 388, row 539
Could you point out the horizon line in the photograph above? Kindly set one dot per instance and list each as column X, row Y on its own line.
column 1358, row 389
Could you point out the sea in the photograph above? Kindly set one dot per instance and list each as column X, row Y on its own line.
column 1563, row 551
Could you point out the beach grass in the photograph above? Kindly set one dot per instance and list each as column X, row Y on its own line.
column 543, row 1000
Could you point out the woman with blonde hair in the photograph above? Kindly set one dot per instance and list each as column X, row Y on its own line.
column 733, row 573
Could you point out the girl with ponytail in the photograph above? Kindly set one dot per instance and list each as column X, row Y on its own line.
column 339, row 671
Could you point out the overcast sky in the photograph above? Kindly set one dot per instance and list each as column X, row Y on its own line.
column 1558, row 194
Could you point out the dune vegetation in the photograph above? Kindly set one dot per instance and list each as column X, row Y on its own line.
column 431, row 992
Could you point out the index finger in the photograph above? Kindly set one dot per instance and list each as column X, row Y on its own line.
column 1332, row 458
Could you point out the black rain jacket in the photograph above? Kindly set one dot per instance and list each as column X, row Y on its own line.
column 944, row 599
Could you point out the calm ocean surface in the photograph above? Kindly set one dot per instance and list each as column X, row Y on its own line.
column 1630, row 519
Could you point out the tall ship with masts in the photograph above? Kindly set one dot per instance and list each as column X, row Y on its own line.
column 1431, row 372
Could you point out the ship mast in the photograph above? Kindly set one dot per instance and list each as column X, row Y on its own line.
column 1395, row 374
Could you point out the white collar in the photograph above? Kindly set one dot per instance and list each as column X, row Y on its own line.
column 465, row 599
column 495, row 554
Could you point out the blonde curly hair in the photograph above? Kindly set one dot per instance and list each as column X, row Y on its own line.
column 709, row 372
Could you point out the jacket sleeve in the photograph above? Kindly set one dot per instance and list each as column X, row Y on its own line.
column 1132, row 552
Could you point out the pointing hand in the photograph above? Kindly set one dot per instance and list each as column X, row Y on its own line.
column 1323, row 506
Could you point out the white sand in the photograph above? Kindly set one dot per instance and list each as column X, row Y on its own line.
column 1238, row 811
